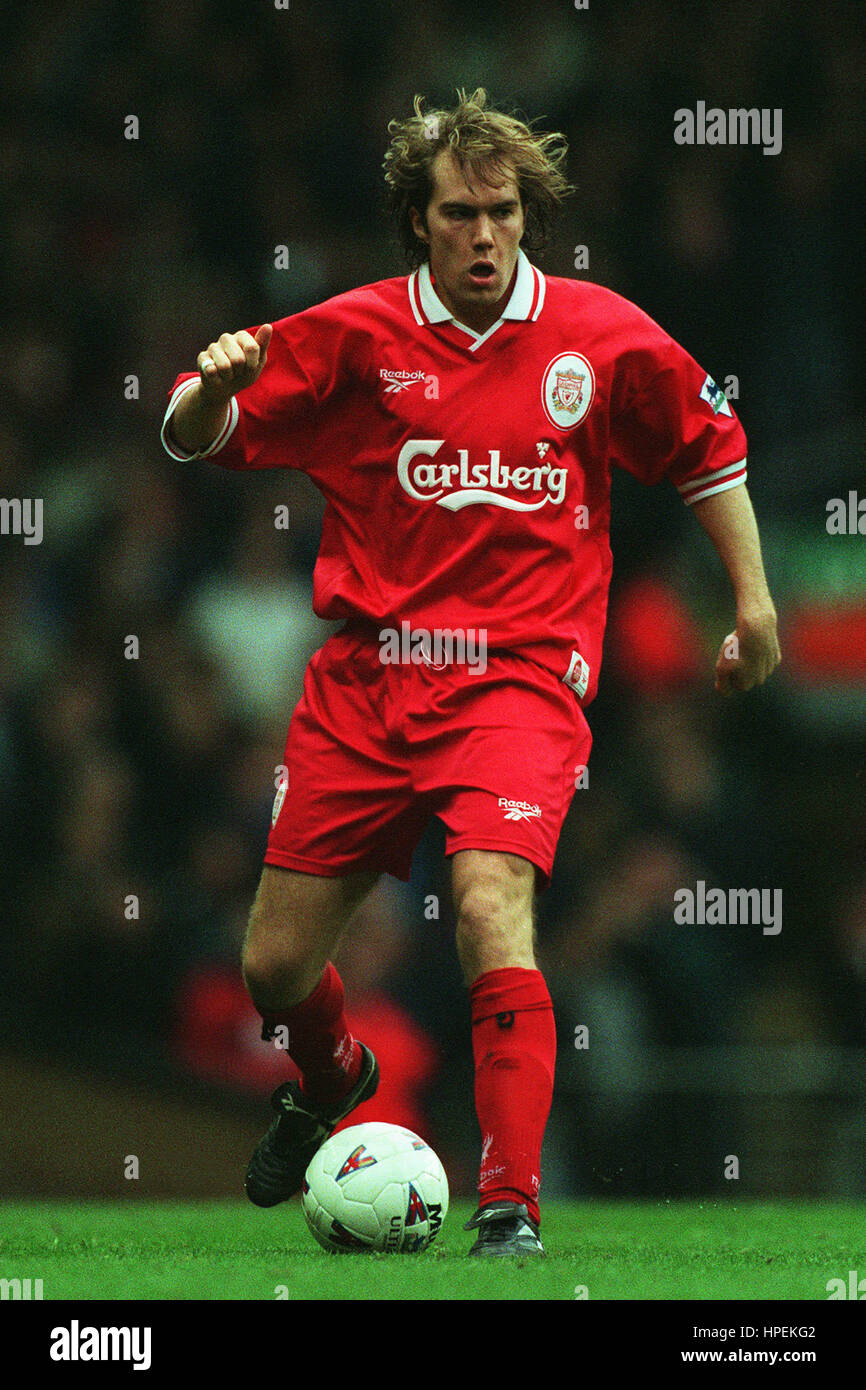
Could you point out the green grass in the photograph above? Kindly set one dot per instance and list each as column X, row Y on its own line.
column 625, row 1250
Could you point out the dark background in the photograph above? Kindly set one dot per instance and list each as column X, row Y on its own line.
column 154, row 776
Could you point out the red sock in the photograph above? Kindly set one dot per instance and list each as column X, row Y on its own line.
column 319, row 1041
column 514, row 1046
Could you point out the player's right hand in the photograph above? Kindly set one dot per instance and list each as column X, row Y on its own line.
column 232, row 363
column 750, row 654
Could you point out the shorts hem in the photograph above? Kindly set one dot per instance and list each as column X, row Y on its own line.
column 283, row 860
column 474, row 842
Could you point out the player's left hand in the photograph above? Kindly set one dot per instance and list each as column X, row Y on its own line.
column 749, row 654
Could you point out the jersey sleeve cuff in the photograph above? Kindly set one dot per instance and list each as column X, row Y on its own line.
column 732, row 475
column 174, row 450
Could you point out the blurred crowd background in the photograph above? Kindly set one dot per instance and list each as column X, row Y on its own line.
column 136, row 790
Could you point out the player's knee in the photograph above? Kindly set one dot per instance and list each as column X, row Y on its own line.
column 482, row 910
column 273, row 958
column 485, row 879
column 493, row 897
column 261, row 968
column 278, row 979
column 483, row 920
column 491, row 890
column 493, row 934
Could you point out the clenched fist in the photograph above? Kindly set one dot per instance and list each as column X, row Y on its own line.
column 224, row 368
column 749, row 654
column 232, row 363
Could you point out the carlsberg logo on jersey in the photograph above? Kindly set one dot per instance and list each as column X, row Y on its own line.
column 458, row 485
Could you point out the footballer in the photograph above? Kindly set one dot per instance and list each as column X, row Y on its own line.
column 461, row 422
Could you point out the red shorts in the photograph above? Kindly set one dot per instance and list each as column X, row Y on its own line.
column 375, row 749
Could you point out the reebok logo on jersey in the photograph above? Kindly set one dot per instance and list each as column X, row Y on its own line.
column 518, row 810
column 399, row 381
column 459, row 485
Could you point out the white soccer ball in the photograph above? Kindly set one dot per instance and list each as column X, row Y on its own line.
column 375, row 1187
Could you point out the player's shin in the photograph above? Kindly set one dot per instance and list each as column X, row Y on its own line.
column 514, row 1048
column 319, row 1040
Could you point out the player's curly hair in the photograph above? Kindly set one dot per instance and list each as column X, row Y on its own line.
column 484, row 141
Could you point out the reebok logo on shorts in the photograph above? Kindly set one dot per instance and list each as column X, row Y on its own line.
column 518, row 810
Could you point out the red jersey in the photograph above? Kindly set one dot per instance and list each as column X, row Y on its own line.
column 467, row 475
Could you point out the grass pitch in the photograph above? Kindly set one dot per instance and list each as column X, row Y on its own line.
column 623, row 1250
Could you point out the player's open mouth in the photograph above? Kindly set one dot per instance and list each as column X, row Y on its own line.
column 482, row 272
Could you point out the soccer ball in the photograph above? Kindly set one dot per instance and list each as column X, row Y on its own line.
column 375, row 1187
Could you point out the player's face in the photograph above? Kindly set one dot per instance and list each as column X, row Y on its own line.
column 474, row 236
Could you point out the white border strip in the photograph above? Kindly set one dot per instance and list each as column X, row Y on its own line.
column 715, row 477
column 413, row 279
column 701, row 492
column 173, row 450
column 542, row 290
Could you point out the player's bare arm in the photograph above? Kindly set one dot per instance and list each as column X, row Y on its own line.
column 225, row 367
column 729, row 520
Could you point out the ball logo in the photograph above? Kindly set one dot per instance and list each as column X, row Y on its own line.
column 358, row 1158
column 416, row 1210
column 567, row 390
column 343, row 1239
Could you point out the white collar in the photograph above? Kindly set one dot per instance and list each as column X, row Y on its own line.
column 525, row 301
